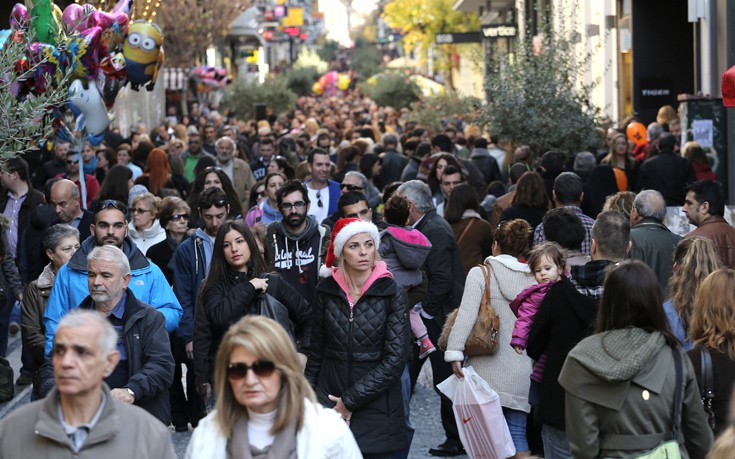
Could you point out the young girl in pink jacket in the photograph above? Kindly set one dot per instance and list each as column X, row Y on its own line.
column 547, row 262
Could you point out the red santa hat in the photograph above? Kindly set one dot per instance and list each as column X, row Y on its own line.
column 343, row 230
column 728, row 88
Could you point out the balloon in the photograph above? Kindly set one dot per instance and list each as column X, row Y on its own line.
column 111, row 77
column 75, row 17
column 123, row 6
column 143, row 53
column 318, row 89
column 4, row 35
column 86, row 98
column 343, row 82
column 114, row 26
column 19, row 17
column 49, row 62
column 96, row 140
column 636, row 133
column 82, row 54
column 43, row 21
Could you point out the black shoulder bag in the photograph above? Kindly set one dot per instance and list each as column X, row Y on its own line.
column 707, row 391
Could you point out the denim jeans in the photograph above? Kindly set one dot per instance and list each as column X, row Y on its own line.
column 516, row 421
column 555, row 442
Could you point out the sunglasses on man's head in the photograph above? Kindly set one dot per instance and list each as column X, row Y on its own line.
column 239, row 370
column 217, row 203
column 111, row 203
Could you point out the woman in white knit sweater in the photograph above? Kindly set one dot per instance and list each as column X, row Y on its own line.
column 507, row 372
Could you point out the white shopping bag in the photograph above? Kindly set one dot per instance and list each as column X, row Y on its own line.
column 482, row 427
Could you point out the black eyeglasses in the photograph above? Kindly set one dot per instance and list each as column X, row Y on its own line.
column 319, row 198
column 138, row 210
column 261, row 194
column 71, row 161
column 352, row 187
column 239, row 370
column 177, row 217
column 287, row 206
column 111, row 203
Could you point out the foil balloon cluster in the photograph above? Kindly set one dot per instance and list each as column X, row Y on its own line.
column 330, row 83
column 208, row 78
column 101, row 50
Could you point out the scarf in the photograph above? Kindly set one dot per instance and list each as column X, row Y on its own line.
column 283, row 447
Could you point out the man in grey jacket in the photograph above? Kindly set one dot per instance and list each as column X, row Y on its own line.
column 651, row 241
column 81, row 417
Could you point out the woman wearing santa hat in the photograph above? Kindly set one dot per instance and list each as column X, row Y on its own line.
column 359, row 340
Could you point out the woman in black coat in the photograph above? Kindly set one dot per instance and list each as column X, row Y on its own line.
column 359, row 341
column 237, row 278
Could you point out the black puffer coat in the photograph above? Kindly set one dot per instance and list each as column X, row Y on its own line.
column 359, row 357
column 227, row 302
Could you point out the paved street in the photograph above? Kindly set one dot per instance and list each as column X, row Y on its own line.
column 424, row 410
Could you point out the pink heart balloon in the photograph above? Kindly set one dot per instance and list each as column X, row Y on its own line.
column 114, row 27
column 19, row 17
column 74, row 18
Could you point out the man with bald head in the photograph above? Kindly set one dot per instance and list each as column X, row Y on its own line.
column 651, row 241
column 64, row 204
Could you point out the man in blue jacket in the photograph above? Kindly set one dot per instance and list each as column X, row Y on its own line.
column 191, row 265
column 147, row 282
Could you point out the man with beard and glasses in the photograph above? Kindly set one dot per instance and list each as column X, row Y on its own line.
column 146, row 368
column 297, row 245
column 147, row 282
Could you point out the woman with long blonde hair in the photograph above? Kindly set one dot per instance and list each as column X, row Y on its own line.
column 694, row 259
column 712, row 330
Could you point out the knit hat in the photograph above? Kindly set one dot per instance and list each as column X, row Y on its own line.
column 728, row 88
column 343, row 230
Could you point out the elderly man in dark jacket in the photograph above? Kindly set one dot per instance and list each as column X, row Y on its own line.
column 146, row 367
column 446, row 278
column 650, row 240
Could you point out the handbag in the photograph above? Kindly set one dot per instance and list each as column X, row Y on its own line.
column 669, row 449
column 483, row 339
column 707, row 390
column 267, row 305
column 482, row 427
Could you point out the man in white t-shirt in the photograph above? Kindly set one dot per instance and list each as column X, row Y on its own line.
column 323, row 193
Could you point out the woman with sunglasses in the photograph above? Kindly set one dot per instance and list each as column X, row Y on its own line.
column 173, row 216
column 144, row 228
column 265, row 407
column 237, row 280
column 359, row 340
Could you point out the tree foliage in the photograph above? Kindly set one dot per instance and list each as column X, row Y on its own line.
column 435, row 113
column 301, row 79
column 537, row 96
column 241, row 97
column 191, row 26
column 420, row 20
column 391, row 90
column 25, row 121
column 365, row 60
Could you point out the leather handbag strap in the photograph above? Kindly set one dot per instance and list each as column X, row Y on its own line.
column 677, row 391
column 707, row 390
column 464, row 231
column 486, row 294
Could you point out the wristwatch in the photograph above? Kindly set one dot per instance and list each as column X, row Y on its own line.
column 130, row 391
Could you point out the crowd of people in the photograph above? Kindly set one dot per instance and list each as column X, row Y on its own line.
column 302, row 267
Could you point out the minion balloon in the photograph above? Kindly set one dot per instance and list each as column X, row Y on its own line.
column 143, row 54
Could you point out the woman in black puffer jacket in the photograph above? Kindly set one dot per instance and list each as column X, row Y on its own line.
column 237, row 277
column 359, row 341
